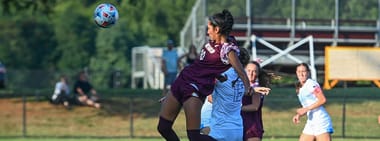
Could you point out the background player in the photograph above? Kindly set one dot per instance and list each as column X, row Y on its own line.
column 252, row 105
column 318, row 125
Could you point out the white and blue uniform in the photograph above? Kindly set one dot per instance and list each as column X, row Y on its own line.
column 226, row 121
column 318, row 120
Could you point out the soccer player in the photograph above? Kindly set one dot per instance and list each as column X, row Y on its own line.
column 197, row 80
column 318, row 125
column 226, row 121
column 251, row 109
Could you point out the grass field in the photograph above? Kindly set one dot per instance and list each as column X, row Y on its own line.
column 135, row 114
column 129, row 139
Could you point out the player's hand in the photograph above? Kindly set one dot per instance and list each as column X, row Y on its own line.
column 302, row 111
column 296, row 119
column 262, row 90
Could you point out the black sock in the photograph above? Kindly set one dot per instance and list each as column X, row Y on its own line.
column 166, row 130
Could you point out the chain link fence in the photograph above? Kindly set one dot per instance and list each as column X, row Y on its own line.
column 132, row 113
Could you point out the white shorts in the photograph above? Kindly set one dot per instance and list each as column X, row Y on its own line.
column 317, row 129
column 227, row 134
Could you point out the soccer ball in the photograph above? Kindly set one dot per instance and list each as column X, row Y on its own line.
column 106, row 15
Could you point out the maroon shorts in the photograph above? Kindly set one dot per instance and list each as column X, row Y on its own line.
column 183, row 91
column 253, row 132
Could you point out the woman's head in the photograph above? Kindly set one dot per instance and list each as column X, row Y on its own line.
column 252, row 70
column 63, row 78
column 220, row 24
column 82, row 76
column 255, row 73
column 303, row 72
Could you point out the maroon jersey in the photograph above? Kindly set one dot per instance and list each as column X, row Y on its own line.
column 252, row 121
column 200, row 76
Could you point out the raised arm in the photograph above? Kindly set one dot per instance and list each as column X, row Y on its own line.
column 234, row 61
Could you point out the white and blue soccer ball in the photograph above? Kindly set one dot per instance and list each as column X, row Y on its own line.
column 106, row 15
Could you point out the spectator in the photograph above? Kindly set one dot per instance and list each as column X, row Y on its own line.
column 169, row 65
column 3, row 71
column 190, row 56
column 61, row 93
column 85, row 94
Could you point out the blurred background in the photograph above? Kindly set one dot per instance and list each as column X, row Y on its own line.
column 43, row 39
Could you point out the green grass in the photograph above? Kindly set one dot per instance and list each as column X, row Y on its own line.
column 115, row 119
column 129, row 139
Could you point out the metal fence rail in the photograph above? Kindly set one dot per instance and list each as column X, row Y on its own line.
column 131, row 114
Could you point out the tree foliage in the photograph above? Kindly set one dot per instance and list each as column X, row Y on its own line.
column 60, row 35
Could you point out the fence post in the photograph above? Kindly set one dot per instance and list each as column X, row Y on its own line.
column 23, row 115
column 131, row 117
column 344, row 110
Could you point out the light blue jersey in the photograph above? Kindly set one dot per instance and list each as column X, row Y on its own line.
column 318, row 120
column 226, row 121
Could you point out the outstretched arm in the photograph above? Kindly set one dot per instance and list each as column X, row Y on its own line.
column 234, row 61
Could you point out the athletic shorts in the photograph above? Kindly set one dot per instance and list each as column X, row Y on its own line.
column 183, row 91
column 227, row 134
column 253, row 132
column 317, row 129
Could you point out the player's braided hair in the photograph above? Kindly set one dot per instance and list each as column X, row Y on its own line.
column 244, row 56
column 223, row 20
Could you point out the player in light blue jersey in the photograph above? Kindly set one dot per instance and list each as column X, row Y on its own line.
column 226, row 121
column 318, row 125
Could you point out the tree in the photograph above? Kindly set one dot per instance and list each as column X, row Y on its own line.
column 110, row 56
column 75, row 33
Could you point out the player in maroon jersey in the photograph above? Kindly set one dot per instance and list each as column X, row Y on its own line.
column 197, row 80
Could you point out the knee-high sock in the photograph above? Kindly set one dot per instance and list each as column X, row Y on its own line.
column 195, row 135
column 166, row 130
